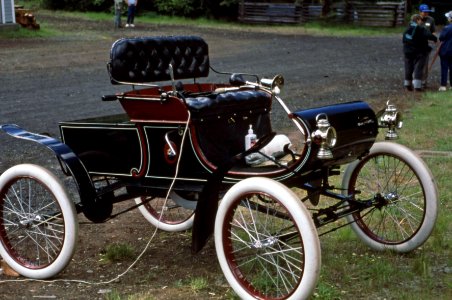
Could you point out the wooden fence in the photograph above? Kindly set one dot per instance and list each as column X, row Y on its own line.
column 270, row 13
column 382, row 14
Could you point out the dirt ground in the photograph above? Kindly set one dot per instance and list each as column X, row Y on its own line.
column 44, row 81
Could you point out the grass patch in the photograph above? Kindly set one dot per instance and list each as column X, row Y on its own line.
column 115, row 295
column 118, row 252
column 427, row 125
column 24, row 33
column 343, row 30
column 198, row 284
column 195, row 284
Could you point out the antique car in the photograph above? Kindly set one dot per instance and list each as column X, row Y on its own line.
column 204, row 156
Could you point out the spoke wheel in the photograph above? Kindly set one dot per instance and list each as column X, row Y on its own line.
column 404, row 197
column 266, row 242
column 38, row 227
column 173, row 214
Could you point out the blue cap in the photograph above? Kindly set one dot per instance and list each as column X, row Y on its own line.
column 424, row 8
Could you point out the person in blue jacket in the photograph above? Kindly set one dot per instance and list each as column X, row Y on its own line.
column 415, row 50
column 445, row 53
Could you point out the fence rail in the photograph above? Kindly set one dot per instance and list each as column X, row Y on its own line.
column 271, row 13
column 382, row 14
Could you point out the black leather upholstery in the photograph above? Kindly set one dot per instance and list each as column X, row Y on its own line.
column 222, row 121
column 250, row 101
column 147, row 59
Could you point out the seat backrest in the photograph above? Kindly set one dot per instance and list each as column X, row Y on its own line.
column 147, row 59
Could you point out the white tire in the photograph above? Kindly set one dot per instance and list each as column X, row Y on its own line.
column 266, row 242
column 38, row 226
column 404, row 197
column 172, row 215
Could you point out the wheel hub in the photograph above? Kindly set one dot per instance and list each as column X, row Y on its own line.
column 28, row 221
column 268, row 242
column 391, row 197
column 384, row 200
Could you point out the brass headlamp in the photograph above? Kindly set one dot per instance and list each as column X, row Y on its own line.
column 390, row 118
column 325, row 136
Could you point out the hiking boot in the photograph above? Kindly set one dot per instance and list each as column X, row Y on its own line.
column 442, row 89
column 409, row 87
column 418, row 89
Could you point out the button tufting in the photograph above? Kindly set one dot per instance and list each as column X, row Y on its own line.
column 146, row 59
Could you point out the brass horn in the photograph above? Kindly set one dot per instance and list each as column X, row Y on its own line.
column 275, row 84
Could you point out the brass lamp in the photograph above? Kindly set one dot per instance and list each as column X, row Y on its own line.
column 325, row 136
column 390, row 118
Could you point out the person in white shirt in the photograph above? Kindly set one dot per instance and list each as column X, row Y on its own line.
column 131, row 12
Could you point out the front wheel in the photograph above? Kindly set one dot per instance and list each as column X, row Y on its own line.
column 38, row 227
column 404, row 196
column 266, row 242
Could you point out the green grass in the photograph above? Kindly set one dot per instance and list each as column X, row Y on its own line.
column 24, row 33
column 428, row 126
column 198, row 284
column 115, row 295
column 118, row 252
column 312, row 28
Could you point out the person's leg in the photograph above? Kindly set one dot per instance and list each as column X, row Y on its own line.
column 444, row 70
column 420, row 62
column 449, row 62
column 129, row 14
column 132, row 15
column 409, row 68
column 117, row 18
column 425, row 70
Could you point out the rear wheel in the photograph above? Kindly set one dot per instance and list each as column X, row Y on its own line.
column 266, row 242
column 404, row 198
column 38, row 227
column 173, row 214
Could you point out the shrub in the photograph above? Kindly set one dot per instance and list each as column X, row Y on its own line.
column 79, row 5
column 183, row 8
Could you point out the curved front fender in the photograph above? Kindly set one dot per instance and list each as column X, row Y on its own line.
column 64, row 154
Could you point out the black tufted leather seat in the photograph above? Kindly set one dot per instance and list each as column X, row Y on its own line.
column 147, row 59
column 229, row 103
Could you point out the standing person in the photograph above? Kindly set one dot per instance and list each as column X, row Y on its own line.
column 415, row 50
column 445, row 53
column 118, row 8
column 429, row 23
column 131, row 12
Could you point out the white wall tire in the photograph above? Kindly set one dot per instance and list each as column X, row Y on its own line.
column 172, row 215
column 403, row 180
column 38, row 226
column 263, row 221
